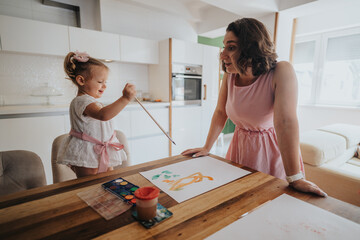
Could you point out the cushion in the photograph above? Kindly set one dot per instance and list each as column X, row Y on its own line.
column 350, row 132
column 356, row 162
column 318, row 147
column 20, row 170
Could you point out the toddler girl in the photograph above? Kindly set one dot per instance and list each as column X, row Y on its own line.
column 92, row 146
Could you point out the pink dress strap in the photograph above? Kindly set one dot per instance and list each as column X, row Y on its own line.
column 99, row 147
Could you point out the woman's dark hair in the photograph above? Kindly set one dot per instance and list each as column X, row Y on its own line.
column 255, row 48
column 74, row 67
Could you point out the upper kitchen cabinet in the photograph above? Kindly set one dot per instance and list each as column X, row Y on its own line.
column 29, row 36
column 97, row 44
column 139, row 50
column 186, row 52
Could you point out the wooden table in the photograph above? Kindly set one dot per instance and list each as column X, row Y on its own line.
column 56, row 212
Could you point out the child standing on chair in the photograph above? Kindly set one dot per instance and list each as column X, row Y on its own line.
column 92, row 146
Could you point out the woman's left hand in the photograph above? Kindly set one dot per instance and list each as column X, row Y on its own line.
column 303, row 185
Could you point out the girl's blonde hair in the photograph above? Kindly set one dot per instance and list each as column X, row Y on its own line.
column 73, row 67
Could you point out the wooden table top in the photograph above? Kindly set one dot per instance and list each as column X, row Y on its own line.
column 56, row 212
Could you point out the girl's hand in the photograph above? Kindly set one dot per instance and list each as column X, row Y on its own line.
column 129, row 91
column 196, row 152
column 303, row 185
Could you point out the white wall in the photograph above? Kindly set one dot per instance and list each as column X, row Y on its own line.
column 311, row 117
column 269, row 22
column 341, row 17
column 283, row 37
column 20, row 74
column 130, row 19
column 215, row 18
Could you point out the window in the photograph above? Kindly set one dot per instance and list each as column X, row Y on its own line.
column 327, row 67
column 304, row 68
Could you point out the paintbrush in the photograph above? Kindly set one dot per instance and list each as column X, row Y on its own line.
column 155, row 121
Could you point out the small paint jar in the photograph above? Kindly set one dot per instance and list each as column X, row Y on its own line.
column 146, row 202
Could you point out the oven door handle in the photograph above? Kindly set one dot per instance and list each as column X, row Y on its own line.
column 188, row 76
column 204, row 92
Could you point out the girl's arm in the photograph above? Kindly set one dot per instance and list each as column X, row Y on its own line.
column 286, row 125
column 106, row 113
column 217, row 123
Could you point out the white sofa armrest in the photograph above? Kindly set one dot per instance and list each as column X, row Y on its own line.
column 318, row 147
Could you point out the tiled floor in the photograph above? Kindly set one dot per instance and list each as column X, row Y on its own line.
column 221, row 146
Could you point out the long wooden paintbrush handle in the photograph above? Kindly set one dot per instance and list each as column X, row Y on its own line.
column 155, row 121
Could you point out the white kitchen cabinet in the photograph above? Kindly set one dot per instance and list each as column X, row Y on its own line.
column 29, row 36
column 186, row 52
column 210, row 82
column 146, row 140
column 139, row 50
column 97, row 44
column 143, row 125
column 150, row 148
column 186, row 128
column 136, row 123
column 122, row 122
column 34, row 134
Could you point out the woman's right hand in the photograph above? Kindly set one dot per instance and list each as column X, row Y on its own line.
column 129, row 91
column 303, row 185
column 196, row 152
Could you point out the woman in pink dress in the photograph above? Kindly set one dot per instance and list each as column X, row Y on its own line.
column 259, row 95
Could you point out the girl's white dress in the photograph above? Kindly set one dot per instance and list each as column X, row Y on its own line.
column 77, row 152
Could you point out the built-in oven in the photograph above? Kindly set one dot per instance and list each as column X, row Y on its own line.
column 186, row 84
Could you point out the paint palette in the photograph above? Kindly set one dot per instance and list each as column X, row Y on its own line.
column 122, row 189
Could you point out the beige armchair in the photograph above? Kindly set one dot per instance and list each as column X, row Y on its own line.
column 63, row 173
column 20, row 170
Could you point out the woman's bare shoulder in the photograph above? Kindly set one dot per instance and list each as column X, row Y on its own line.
column 283, row 65
column 283, row 69
column 284, row 73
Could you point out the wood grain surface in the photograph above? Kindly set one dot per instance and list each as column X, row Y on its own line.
column 56, row 212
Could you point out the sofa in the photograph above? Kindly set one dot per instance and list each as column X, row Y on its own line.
column 329, row 159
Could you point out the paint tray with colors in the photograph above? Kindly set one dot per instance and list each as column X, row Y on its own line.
column 122, row 189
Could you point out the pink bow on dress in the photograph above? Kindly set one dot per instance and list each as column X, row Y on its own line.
column 99, row 148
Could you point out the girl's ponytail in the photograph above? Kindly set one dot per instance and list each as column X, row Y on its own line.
column 76, row 63
column 70, row 67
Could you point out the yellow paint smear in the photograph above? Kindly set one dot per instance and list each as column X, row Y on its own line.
column 195, row 177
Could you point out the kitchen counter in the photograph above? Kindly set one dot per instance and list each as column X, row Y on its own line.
column 16, row 111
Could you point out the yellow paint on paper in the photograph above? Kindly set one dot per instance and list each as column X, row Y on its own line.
column 180, row 183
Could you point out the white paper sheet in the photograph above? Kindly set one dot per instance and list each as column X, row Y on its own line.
column 193, row 177
column 289, row 218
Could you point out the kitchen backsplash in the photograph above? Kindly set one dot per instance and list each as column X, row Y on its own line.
column 21, row 74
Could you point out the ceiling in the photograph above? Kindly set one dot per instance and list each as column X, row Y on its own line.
column 210, row 17
column 192, row 9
